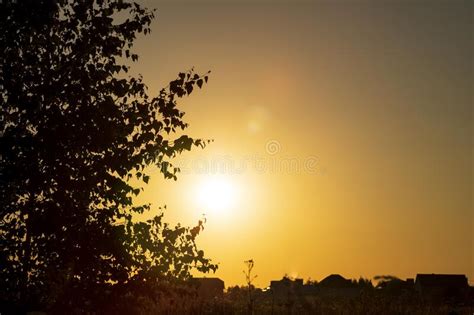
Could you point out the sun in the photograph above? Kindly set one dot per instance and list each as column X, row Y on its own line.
column 216, row 194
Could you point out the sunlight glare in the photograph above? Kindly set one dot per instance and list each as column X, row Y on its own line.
column 216, row 195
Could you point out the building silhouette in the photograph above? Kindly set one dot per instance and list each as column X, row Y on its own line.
column 442, row 287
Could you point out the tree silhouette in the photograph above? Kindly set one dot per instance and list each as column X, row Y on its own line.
column 75, row 128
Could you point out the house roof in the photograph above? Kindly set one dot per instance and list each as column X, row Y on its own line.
column 441, row 280
column 287, row 281
column 334, row 281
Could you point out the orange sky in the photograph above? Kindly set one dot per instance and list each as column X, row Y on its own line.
column 368, row 107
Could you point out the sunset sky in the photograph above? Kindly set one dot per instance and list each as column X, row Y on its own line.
column 342, row 134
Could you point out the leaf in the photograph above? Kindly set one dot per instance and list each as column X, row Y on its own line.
column 189, row 87
column 199, row 83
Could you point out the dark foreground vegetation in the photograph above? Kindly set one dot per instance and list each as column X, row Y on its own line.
column 336, row 295
column 367, row 302
column 391, row 297
column 186, row 299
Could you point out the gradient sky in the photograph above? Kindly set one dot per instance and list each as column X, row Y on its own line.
column 370, row 102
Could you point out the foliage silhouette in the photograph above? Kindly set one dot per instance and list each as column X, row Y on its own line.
column 75, row 129
column 386, row 280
